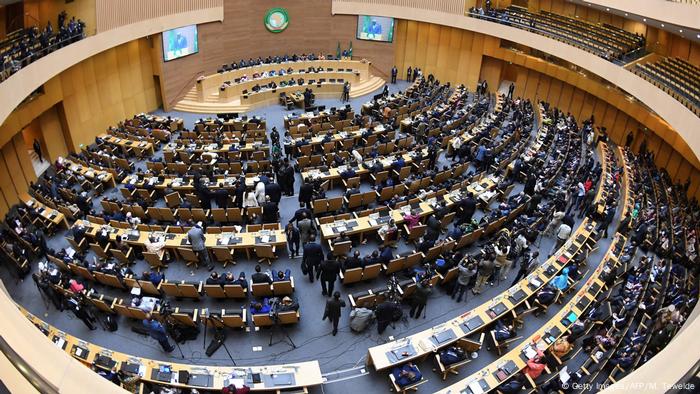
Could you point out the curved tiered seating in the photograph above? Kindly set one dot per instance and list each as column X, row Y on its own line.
column 676, row 77
column 606, row 41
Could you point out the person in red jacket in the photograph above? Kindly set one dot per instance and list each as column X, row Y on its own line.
column 231, row 389
column 535, row 366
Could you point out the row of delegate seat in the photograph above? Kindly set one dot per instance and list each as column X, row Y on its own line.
column 676, row 77
column 609, row 42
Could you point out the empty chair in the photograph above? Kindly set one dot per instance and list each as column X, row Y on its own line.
column 265, row 253
column 223, row 255
column 190, row 256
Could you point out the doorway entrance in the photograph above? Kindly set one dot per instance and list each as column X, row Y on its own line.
column 36, row 147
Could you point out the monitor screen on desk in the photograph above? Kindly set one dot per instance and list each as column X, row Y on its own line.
column 180, row 42
column 375, row 28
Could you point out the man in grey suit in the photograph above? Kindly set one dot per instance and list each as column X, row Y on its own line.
column 306, row 228
column 196, row 238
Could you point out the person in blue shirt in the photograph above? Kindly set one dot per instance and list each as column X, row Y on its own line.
column 406, row 375
column 281, row 276
column 153, row 277
column 561, row 282
column 398, row 163
column 157, row 332
column 259, row 308
column 374, row 29
column 480, row 154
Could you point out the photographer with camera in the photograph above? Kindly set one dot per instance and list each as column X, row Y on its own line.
column 157, row 332
column 467, row 270
column 420, row 298
column 486, row 268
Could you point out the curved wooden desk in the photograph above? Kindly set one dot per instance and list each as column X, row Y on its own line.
column 211, row 83
column 423, row 343
column 273, row 377
column 516, row 360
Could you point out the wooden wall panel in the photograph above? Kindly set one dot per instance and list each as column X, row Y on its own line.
column 9, row 193
column 555, row 94
column 565, row 98
column 450, row 54
column 106, row 89
column 52, row 133
column 25, row 162
column 491, row 72
column 14, row 169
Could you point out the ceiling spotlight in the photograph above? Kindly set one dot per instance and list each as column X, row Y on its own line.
column 626, row 14
column 607, row 9
column 644, row 19
column 662, row 25
column 680, row 30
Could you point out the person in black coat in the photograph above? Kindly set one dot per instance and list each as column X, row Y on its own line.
column 274, row 190
column 353, row 261
column 306, row 193
column 385, row 314
column 292, row 239
column 313, row 256
column 328, row 272
column 332, row 311
column 467, row 207
column 260, row 277
column 434, row 227
column 270, row 211
column 240, row 190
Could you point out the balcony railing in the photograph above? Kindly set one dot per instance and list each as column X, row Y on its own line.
column 11, row 66
column 447, row 6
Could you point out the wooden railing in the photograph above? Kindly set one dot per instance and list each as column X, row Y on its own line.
column 111, row 14
column 447, row 6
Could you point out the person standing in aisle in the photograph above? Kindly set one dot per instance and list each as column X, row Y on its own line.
column 394, row 73
column 157, row 332
column 196, row 238
column 332, row 311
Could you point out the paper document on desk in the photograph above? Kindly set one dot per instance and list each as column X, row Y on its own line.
column 60, row 342
column 530, row 352
column 564, row 375
column 475, row 387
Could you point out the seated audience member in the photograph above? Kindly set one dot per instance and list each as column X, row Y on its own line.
column 406, row 375
column 452, row 355
column 287, row 304
column 535, row 366
column 562, row 346
column 259, row 308
column 214, row 279
column 260, row 277
column 241, row 280
column 546, row 295
column 283, row 275
column 153, row 277
column 503, row 332
column 353, row 261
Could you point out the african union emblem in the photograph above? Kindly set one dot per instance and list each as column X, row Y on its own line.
column 276, row 20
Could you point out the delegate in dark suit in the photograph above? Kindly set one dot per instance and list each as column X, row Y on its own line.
column 313, row 256
column 328, row 273
column 332, row 312
column 274, row 191
column 306, row 192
